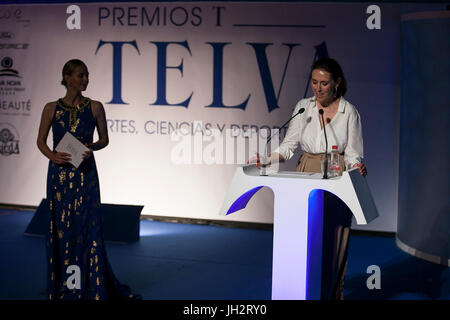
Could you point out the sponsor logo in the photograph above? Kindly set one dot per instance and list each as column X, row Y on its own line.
column 6, row 35
column 14, row 15
column 9, row 139
column 17, row 46
column 22, row 107
column 10, row 78
column 7, row 70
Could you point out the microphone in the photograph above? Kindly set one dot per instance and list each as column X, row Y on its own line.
column 284, row 125
column 263, row 171
column 325, row 169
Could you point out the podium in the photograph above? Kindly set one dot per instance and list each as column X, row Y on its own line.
column 298, row 221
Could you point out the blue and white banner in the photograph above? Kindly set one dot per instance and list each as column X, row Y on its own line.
column 207, row 68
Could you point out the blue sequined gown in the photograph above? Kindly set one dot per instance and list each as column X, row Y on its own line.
column 75, row 238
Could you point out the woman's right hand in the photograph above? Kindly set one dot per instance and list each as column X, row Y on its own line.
column 61, row 157
column 257, row 161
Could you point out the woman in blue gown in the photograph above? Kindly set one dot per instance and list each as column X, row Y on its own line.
column 78, row 268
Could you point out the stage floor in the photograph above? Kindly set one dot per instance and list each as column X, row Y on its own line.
column 175, row 261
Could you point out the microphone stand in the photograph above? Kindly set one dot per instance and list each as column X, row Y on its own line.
column 325, row 169
column 263, row 166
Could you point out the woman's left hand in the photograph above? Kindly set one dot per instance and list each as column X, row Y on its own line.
column 87, row 154
column 362, row 168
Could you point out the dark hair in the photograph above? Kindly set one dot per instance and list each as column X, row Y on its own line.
column 69, row 68
column 333, row 67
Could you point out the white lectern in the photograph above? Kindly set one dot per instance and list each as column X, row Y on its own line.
column 298, row 221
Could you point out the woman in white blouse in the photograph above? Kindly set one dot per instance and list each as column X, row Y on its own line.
column 343, row 125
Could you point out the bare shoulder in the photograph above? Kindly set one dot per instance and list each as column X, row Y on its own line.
column 49, row 108
column 96, row 105
column 50, row 105
column 97, row 109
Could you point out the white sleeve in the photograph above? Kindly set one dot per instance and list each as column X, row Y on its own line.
column 353, row 152
column 291, row 140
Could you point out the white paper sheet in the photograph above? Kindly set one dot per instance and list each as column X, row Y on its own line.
column 74, row 147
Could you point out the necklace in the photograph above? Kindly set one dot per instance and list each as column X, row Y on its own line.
column 83, row 103
column 73, row 121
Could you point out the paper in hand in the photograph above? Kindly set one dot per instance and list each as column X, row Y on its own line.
column 72, row 146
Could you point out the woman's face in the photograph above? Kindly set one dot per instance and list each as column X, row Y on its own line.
column 79, row 79
column 323, row 86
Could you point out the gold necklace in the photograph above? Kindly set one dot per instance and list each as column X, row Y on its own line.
column 73, row 121
column 83, row 103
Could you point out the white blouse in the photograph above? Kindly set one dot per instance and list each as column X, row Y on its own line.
column 344, row 130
